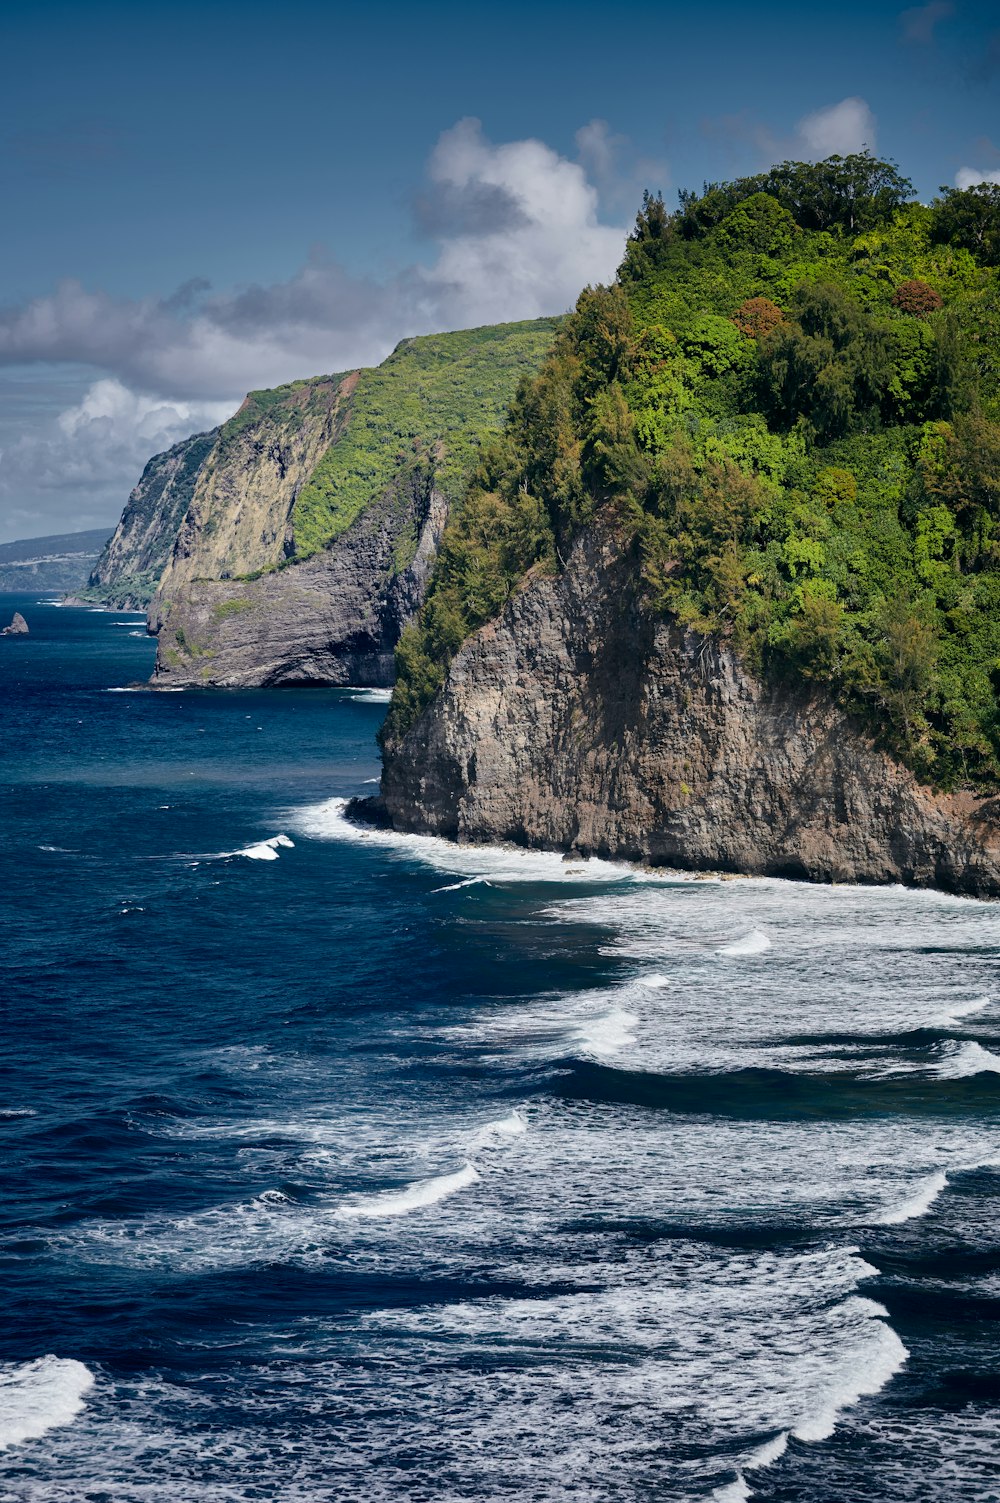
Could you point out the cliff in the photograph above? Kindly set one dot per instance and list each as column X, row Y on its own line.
column 307, row 544
column 134, row 557
column 577, row 720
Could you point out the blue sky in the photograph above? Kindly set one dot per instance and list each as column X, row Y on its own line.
column 205, row 198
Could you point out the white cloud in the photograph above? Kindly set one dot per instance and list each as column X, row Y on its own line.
column 839, row 129
column 521, row 235
column 971, row 177
column 83, row 463
column 517, row 234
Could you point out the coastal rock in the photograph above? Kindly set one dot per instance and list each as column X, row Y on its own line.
column 17, row 628
column 575, row 721
column 309, row 538
column 334, row 618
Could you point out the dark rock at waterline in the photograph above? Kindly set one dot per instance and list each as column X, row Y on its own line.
column 17, row 628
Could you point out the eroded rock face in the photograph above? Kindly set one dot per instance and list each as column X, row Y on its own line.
column 133, row 559
column 238, row 517
column 17, row 628
column 333, row 619
column 576, row 722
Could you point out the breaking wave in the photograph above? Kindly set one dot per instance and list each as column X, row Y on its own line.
column 39, row 1396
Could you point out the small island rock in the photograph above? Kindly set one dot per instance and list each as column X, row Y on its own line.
column 17, row 627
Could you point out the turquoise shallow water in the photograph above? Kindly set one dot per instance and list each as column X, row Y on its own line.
column 344, row 1165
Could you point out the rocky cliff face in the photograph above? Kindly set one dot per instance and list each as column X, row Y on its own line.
column 334, row 618
column 575, row 721
column 238, row 517
column 307, row 544
column 129, row 568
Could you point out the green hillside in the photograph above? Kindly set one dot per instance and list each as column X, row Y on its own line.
column 430, row 402
column 788, row 404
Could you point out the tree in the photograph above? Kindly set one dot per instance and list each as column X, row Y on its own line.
column 649, row 242
column 757, row 317
column 917, row 297
column 970, row 217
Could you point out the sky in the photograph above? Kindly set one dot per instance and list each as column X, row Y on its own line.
column 203, row 199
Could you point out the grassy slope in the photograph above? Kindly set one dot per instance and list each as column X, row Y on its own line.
column 433, row 399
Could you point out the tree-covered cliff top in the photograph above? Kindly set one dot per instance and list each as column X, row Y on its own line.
column 788, row 405
column 430, row 402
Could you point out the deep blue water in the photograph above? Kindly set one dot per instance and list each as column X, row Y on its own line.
column 351, row 1166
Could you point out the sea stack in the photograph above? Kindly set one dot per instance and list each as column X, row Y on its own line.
column 17, row 628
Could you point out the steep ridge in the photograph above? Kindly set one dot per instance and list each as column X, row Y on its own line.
column 308, row 541
column 579, row 721
column 134, row 557
column 725, row 595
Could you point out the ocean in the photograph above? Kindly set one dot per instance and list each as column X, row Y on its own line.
column 343, row 1165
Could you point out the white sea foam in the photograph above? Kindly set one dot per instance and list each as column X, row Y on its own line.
column 959, row 1010
column 959, row 1061
column 8, row 1113
column 265, row 850
column 465, row 882
column 413, row 1198
column 370, row 696
column 754, row 943
column 260, row 850
column 39, row 1396
column 500, row 1131
column 856, row 1376
column 326, row 821
column 917, row 1204
column 606, row 1034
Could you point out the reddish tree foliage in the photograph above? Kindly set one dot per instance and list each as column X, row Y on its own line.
column 757, row 316
column 916, row 298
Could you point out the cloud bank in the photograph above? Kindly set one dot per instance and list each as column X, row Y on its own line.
column 516, row 231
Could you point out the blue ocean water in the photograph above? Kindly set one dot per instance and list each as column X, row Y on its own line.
column 341, row 1165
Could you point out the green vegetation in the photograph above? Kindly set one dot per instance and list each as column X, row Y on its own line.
column 788, row 408
column 231, row 607
column 287, row 406
column 428, row 405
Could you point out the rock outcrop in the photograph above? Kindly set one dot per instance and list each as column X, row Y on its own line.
column 333, row 619
column 17, row 628
column 308, row 541
column 134, row 557
column 575, row 721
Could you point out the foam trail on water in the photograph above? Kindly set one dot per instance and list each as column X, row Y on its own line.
column 371, row 696
column 862, row 1375
column 960, row 1010
column 39, row 1396
column 964, row 1060
column 754, row 943
column 466, row 882
column 915, row 1205
column 496, row 1132
column 426, row 1192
